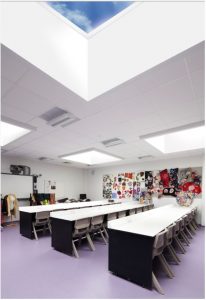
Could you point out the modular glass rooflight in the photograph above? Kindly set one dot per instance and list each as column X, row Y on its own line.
column 88, row 15
column 183, row 140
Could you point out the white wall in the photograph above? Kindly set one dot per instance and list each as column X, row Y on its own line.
column 95, row 182
column 70, row 181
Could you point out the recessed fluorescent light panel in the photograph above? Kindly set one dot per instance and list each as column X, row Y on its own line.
column 183, row 140
column 88, row 15
column 91, row 157
column 10, row 133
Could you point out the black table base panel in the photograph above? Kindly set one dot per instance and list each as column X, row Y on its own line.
column 26, row 220
column 130, row 257
column 62, row 235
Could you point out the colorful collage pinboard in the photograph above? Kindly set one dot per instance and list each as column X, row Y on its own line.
column 141, row 186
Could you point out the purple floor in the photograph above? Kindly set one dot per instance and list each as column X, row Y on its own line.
column 32, row 269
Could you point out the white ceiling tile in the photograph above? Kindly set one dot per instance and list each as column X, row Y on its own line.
column 196, row 58
column 6, row 85
column 15, row 113
column 177, row 94
column 27, row 101
column 46, row 87
column 13, row 67
column 198, row 83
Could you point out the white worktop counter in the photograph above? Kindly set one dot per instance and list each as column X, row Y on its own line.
column 77, row 214
column 63, row 206
column 151, row 222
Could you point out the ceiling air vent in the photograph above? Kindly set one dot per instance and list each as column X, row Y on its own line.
column 145, row 156
column 113, row 142
column 58, row 117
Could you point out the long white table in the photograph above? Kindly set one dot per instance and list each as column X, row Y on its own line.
column 62, row 206
column 77, row 214
column 27, row 213
column 62, row 222
column 131, row 242
column 151, row 222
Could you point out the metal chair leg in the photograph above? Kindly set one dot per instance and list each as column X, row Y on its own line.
column 90, row 242
column 189, row 233
column 167, row 271
column 173, row 255
column 49, row 226
column 194, row 224
column 184, row 238
column 192, row 228
column 35, row 234
column 156, row 284
column 167, row 265
column 75, row 250
column 103, row 237
column 181, row 247
column 106, row 233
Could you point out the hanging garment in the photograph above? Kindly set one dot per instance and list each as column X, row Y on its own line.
column 12, row 205
column 165, row 178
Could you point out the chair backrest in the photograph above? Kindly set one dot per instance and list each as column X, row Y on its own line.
column 111, row 216
column 132, row 211
column 82, row 224
column 121, row 214
column 170, row 233
column 42, row 215
column 191, row 216
column 182, row 224
column 176, row 228
column 98, row 220
column 159, row 243
column 186, row 219
column 151, row 206
column 145, row 208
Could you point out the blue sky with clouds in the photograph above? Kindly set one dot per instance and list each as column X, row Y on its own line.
column 89, row 15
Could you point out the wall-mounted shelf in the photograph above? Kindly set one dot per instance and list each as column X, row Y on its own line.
column 16, row 174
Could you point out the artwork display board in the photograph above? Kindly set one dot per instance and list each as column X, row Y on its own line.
column 141, row 186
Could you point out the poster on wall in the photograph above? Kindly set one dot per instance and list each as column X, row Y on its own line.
column 123, row 186
column 108, row 181
column 49, row 186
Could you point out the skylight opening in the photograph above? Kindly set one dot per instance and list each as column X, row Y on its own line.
column 183, row 140
column 91, row 157
column 89, row 15
column 10, row 133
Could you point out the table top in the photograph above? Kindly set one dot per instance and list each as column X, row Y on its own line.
column 151, row 222
column 63, row 206
column 78, row 214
